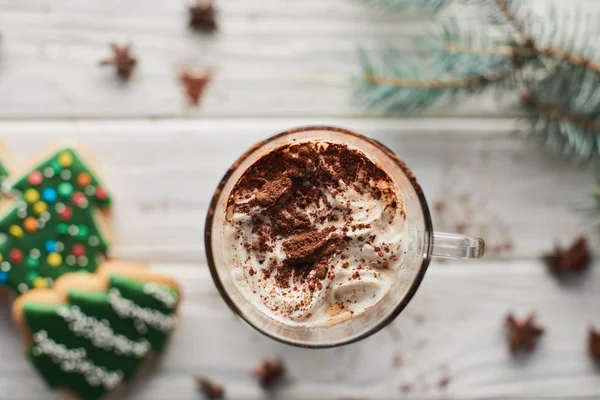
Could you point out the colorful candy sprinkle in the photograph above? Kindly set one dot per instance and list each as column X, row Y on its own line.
column 49, row 195
column 30, row 224
column 83, row 231
column 78, row 199
column 16, row 231
column 65, row 214
column 50, row 246
column 62, row 229
column 16, row 256
column 84, row 179
column 65, row 159
column 39, row 207
column 54, row 260
column 35, row 178
column 40, row 283
column 31, row 196
column 65, row 189
column 48, row 172
column 78, row 250
column 32, row 262
column 101, row 193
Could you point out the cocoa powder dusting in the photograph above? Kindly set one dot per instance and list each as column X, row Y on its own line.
column 271, row 192
column 286, row 194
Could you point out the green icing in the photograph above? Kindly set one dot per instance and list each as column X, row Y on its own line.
column 3, row 170
column 60, row 197
column 98, row 340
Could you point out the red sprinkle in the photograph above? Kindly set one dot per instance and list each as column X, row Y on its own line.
column 100, row 193
column 35, row 178
column 78, row 250
column 66, row 213
column 78, row 199
column 16, row 256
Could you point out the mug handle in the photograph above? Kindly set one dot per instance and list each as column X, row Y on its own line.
column 451, row 245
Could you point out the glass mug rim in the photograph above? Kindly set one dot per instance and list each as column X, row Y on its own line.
column 414, row 285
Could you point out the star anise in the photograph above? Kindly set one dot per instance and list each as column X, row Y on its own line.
column 522, row 333
column 194, row 84
column 576, row 258
column 594, row 344
column 122, row 60
column 202, row 16
column 269, row 372
column 211, row 389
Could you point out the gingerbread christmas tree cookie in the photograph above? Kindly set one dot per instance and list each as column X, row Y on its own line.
column 52, row 224
column 91, row 333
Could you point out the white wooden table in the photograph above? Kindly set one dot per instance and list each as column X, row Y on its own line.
column 279, row 64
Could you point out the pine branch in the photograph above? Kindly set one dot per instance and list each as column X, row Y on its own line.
column 559, row 114
column 510, row 14
column 400, row 86
column 450, row 49
column 564, row 113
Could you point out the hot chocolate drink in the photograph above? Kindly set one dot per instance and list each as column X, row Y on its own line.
column 313, row 233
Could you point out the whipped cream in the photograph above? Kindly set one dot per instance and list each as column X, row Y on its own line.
column 314, row 234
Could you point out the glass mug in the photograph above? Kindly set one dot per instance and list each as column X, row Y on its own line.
column 421, row 244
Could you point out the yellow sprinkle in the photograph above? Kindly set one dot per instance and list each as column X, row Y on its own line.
column 31, row 196
column 40, row 207
column 40, row 283
column 65, row 159
column 54, row 260
column 16, row 231
column 1, row 258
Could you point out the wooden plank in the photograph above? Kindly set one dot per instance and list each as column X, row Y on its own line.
column 162, row 175
column 453, row 328
column 274, row 58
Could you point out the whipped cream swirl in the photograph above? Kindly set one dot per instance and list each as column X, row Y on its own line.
column 314, row 233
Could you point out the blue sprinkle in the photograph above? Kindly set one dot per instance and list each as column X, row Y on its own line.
column 49, row 195
column 3, row 277
column 50, row 246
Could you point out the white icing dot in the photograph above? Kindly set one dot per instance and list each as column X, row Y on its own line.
column 101, row 335
column 140, row 326
column 60, row 246
column 90, row 190
column 35, row 253
column 48, row 172
column 83, row 203
column 75, row 361
column 93, row 240
column 71, row 260
column 73, row 229
column 50, row 282
column 3, row 237
column 65, row 174
column 5, row 266
column 40, row 335
column 22, row 213
column 41, row 223
column 22, row 288
column 161, row 293
column 141, row 316
column 82, row 261
column 45, row 215
column 59, row 207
